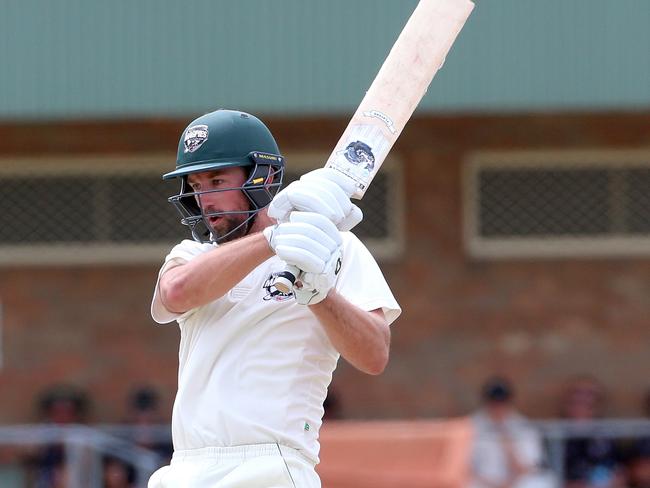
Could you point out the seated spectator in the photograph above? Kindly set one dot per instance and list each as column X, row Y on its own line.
column 60, row 405
column 590, row 461
column 118, row 474
column 63, row 405
column 638, row 465
column 143, row 411
column 507, row 450
column 638, row 455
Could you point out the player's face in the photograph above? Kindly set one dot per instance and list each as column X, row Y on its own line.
column 217, row 202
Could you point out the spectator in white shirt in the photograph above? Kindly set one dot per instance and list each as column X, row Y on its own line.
column 507, row 450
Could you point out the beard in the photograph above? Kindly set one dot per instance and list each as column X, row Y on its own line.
column 229, row 227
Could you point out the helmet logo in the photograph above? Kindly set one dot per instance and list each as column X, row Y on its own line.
column 194, row 137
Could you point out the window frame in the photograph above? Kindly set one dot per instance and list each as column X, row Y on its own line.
column 95, row 253
column 495, row 248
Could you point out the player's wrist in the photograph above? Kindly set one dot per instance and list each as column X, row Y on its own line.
column 267, row 233
column 264, row 238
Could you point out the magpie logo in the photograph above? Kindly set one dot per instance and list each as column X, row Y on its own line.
column 272, row 293
column 194, row 137
column 360, row 153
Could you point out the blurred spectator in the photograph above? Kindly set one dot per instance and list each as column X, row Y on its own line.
column 590, row 461
column 507, row 450
column 58, row 479
column 143, row 411
column 59, row 405
column 638, row 455
column 118, row 474
column 143, row 406
column 63, row 405
column 638, row 465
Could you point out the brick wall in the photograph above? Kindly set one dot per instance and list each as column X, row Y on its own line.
column 540, row 322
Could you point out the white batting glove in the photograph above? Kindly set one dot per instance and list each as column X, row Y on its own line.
column 311, row 288
column 308, row 241
column 324, row 191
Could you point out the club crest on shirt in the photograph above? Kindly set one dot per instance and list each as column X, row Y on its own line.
column 272, row 293
column 194, row 137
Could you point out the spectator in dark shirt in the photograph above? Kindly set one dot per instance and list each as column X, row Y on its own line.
column 638, row 456
column 590, row 461
column 638, row 465
column 118, row 474
column 143, row 412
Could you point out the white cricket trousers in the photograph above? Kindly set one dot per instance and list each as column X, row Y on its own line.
column 250, row 466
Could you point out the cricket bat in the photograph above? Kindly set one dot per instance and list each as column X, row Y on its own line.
column 402, row 81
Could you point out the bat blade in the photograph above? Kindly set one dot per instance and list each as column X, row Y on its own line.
column 402, row 81
column 400, row 84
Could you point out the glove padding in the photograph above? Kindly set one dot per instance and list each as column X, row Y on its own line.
column 324, row 191
column 311, row 288
column 308, row 241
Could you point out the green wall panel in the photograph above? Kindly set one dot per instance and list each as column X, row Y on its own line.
column 91, row 58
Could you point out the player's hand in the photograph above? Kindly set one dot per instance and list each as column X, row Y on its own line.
column 311, row 288
column 324, row 191
column 309, row 241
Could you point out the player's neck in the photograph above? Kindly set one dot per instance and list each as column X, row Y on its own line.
column 262, row 220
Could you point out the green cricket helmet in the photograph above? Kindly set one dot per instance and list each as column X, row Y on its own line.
column 223, row 139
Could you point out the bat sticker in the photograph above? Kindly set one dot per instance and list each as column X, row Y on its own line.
column 358, row 153
column 383, row 117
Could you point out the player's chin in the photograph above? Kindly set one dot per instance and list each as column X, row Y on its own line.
column 227, row 229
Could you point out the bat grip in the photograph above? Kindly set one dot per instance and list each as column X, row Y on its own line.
column 285, row 280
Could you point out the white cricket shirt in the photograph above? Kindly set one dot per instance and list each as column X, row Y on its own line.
column 254, row 365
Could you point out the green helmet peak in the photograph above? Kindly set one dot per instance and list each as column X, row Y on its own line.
column 221, row 139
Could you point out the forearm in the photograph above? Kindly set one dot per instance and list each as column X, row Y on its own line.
column 362, row 338
column 212, row 274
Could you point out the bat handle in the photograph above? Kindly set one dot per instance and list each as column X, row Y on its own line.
column 285, row 280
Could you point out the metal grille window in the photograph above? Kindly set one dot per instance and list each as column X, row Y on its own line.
column 566, row 203
column 115, row 209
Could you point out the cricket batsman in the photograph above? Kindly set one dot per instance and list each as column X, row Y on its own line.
column 254, row 362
